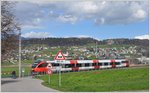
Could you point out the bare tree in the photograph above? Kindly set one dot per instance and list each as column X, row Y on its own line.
column 9, row 30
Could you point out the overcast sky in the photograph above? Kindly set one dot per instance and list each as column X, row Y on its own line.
column 78, row 18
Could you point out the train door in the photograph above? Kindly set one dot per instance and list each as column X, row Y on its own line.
column 113, row 63
column 95, row 64
column 74, row 63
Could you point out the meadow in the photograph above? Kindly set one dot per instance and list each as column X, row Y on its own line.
column 130, row 79
column 6, row 71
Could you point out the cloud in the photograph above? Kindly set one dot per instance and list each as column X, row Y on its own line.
column 32, row 27
column 36, row 35
column 79, row 36
column 67, row 18
column 29, row 13
column 83, row 36
column 142, row 37
column 98, row 12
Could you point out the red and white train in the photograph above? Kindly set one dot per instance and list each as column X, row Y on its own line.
column 77, row 65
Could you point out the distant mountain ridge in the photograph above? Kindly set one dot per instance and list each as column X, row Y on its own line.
column 82, row 41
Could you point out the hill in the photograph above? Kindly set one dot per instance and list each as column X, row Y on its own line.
column 83, row 41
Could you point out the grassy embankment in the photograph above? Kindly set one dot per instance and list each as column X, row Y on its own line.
column 101, row 80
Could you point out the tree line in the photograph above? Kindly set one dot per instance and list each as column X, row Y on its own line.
column 83, row 41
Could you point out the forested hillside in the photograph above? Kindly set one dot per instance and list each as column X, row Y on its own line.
column 83, row 41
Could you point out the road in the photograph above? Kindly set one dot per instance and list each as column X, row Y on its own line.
column 27, row 84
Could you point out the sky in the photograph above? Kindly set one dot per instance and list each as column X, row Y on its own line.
column 78, row 18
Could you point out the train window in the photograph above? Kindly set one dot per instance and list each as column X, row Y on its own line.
column 124, row 61
column 105, row 64
column 94, row 64
column 112, row 63
column 78, row 65
column 72, row 65
column 55, row 64
column 68, row 65
column 34, row 65
column 63, row 65
column 87, row 64
column 43, row 65
column 117, row 63
column 99, row 64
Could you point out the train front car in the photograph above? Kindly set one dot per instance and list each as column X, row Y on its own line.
column 39, row 67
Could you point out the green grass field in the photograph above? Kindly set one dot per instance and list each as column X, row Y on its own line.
column 6, row 71
column 101, row 80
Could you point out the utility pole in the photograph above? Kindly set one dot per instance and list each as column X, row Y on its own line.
column 96, row 50
column 59, row 73
column 20, row 53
